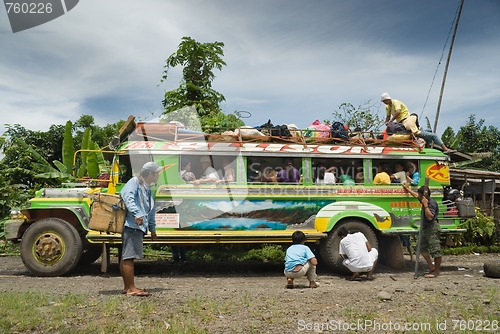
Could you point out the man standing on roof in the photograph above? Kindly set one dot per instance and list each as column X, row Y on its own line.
column 397, row 111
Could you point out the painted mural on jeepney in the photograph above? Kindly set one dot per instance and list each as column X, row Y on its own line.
column 198, row 214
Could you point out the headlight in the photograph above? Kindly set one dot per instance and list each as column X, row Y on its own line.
column 16, row 214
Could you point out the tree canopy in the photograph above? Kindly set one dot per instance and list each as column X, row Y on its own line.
column 199, row 60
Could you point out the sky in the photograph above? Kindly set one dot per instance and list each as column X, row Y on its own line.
column 291, row 61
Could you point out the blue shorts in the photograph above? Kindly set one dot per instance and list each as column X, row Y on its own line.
column 132, row 243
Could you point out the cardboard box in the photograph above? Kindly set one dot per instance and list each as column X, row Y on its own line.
column 107, row 213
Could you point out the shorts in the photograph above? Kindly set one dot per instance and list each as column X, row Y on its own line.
column 132, row 243
column 430, row 240
column 410, row 123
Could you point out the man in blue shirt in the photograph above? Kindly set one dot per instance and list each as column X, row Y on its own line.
column 300, row 261
column 140, row 218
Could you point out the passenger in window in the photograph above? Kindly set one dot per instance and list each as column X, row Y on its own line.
column 186, row 173
column 229, row 174
column 267, row 174
column 210, row 175
column 360, row 177
column 346, row 180
column 325, row 175
column 382, row 177
column 400, row 175
column 289, row 174
column 412, row 175
column 330, row 176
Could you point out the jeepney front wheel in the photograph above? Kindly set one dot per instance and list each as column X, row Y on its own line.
column 51, row 247
column 329, row 250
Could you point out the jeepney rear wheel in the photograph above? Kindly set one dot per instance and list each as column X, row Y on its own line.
column 51, row 247
column 329, row 250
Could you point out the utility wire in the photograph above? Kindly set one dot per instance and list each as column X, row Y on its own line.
column 440, row 59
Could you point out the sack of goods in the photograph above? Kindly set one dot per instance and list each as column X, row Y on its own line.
column 107, row 213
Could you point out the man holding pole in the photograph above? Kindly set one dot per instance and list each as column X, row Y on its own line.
column 429, row 243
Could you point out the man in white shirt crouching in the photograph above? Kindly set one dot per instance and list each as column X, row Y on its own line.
column 359, row 256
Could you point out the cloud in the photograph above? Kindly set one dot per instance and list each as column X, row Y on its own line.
column 288, row 60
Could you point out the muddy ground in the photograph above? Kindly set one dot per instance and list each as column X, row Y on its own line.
column 248, row 298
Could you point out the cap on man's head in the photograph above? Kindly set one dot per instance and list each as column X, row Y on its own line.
column 385, row 96
column 151, row 167
column 205, row 159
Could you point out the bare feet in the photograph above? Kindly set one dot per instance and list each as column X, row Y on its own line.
column 289, row 283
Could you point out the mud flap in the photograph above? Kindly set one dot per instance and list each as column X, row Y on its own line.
column 391, row 251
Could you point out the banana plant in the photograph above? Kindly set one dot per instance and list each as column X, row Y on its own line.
column 43, row 166
column 82, row 170
column 68, row 150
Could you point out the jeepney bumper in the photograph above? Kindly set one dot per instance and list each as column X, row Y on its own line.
column 11, row 228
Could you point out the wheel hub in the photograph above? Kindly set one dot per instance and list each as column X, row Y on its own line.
column 48, row 248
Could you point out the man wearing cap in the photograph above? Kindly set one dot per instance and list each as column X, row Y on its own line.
column 210, row 175
column 397, row 111
column 138, row 198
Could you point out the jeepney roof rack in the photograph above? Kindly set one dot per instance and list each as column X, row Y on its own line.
column 146, row 131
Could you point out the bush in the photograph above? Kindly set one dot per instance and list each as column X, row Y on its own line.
column 480, row 231
column 237, row 253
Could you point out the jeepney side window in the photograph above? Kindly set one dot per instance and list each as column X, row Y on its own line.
column 226, row 167
column 333, row 171
column 274, row 170
column 399, row 170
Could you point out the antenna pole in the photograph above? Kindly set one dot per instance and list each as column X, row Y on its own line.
column 446, row 68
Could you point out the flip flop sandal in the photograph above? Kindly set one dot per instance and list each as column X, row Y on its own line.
column 314, row 285
column 138, row 293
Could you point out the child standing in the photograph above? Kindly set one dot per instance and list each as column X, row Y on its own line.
column 300, row 261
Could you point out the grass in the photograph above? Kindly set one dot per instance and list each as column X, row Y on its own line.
column 39, row 312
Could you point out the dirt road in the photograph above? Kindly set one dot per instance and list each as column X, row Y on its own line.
column 252, row 297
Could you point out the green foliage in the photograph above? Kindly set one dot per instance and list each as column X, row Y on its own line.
column 480, row 231
column 26, row 154
column 471, row 249
column 220, row 122
column 68, row 148
column 476, row 137
column 267, row 253
column 363, row 117
column 82, row 170
column 238, row 253
column 199, row 60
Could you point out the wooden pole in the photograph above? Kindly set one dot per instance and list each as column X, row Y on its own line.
column 447, row 65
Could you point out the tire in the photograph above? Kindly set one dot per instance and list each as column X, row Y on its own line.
column 492, row 269
column 329, row 251
column 51, row 247
column 90, row 254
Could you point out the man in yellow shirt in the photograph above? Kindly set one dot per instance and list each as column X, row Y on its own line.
column 397, row 111
column 382, row 177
